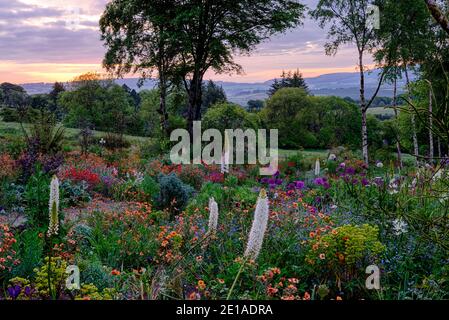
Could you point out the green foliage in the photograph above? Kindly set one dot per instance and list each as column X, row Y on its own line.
column 36, row 197
column 58, row 276
column 12, row 95
column 45, row 134
column 29, row 248
column 312, row 122
column 74, row 193
column 103, row 105
column 289, row 80
column 174, row 194
column 228, row 116
column 151, row 188
column 212, row 94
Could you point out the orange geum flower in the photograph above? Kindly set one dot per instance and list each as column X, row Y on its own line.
column 115, row 272
column 201, row 285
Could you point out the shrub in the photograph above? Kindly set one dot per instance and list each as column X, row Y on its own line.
column 150, row 187
column 75, row 193
column 37, row 194
column 29, row 248
column 174, row 194
column 7, row 254
column 345, row 252
column 114, row 141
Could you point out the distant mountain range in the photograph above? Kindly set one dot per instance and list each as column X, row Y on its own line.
column 345, row 84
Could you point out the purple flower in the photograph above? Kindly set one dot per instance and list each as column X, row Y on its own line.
column 365, row 182
column 264, row 180
column 28, row 291
column 271, row 181
column 350, row 171
column 378, row 181
column 299, row 185
column 14, row 291
column 278, row 182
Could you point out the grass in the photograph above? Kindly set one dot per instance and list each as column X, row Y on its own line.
column 381, row 111
column 14, row 129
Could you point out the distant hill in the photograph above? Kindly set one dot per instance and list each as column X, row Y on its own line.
column 343, row 84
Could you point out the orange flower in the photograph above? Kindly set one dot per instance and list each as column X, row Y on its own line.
column 306, row 296
column 322, row 256
column 115, row 272
column 339, row 298
column 201, row 285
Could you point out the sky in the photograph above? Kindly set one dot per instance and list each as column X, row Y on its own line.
column 56, row 40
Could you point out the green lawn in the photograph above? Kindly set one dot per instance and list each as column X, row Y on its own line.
column 13, row 128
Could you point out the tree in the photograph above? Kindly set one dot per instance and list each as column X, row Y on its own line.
column 139, row 37
column 13, row 96
column 289, row 80
column 58, row 88
column 203, row 33
column 224, row 116
column 212, row 94
column 405, row 38
column 349, row 23
column 254, row 105
column 438, row 14
column 97, row 103
column 281, row 113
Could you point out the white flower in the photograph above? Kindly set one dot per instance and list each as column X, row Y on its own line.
column 379, row 165
column 259, row 227
column 53, row 207
column 399, row 226
column 443, row 198
column 438, row 175
column 317, row 167
column 102, row 141
column 333, row 207
column 213, row 215
column 393, row 186
column 332, row 157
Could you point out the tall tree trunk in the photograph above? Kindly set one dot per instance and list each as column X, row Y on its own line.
column 431, row 152
column 195, row 100
column 163, row 104
column 414, row 134
column 398, row 143
column 363, row 109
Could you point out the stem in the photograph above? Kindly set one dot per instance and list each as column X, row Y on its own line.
column 236, row 279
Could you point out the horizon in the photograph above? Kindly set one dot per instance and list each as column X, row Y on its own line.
column 57, row 40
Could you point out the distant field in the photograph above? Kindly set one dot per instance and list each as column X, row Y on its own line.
column 381, row 111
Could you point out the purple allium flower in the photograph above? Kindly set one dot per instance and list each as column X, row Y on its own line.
column 271, row 181
column 290, row 186
column 299, row 185
column 264, row 180
column 365, row 182
column 350, row 171
column 278, row 182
